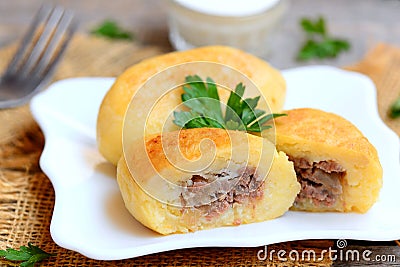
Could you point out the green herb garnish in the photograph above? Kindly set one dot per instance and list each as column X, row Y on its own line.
column 205, row 108
column 394, row 111
column 29, row 255
column 319, row 44
column 112, row 30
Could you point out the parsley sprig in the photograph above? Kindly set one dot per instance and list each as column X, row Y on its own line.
column 28, row 255
column 203, row 100
column 319, row 44
column 394, row 111
column 112, row 30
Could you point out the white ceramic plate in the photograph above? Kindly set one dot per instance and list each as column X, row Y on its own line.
column 89, row 214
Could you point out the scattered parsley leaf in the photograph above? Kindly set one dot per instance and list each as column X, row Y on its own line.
column 205, row 108
column 317, row 27
column 319, row 44
column 112, row 30
column 29, row 255
column 394, row 111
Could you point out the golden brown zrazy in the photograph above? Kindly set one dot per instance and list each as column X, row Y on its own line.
column 247, row 181
column 270, row 82
column 338, row 168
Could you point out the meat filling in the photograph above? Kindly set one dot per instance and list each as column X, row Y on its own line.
column 228, row 188
column 320, row 182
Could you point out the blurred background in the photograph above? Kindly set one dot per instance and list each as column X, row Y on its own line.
column 364, row 23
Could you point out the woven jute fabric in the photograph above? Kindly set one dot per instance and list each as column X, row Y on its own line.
column 27, row 197
column 382, row 65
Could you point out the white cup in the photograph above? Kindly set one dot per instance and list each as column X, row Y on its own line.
column 245, row 24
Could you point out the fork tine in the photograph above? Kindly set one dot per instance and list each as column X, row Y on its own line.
column 40, row 16
column 41, row 44
column 51, row 66
column 61, row 29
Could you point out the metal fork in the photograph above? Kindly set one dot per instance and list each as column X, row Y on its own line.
column 37, row 56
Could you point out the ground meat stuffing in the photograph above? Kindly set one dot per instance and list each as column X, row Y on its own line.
column 228, row 188
column 320, row 182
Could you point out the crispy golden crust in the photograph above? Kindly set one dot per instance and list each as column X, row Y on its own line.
column 317, row 136
column 114, row 105
column 187, row 138
column 279, row 191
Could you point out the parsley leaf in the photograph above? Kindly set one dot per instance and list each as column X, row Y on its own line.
column 112, row 30
column 317, row 27
column 29, row 255
column 205, row 108
column 394, row 111
column 319, row 44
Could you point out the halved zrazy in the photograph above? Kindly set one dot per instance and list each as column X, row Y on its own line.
column 230, row 178
column 338, row 168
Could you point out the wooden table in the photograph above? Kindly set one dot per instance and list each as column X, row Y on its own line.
column 363, row 22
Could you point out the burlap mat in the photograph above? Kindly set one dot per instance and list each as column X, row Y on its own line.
column 382, row 65
column 27, row 197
